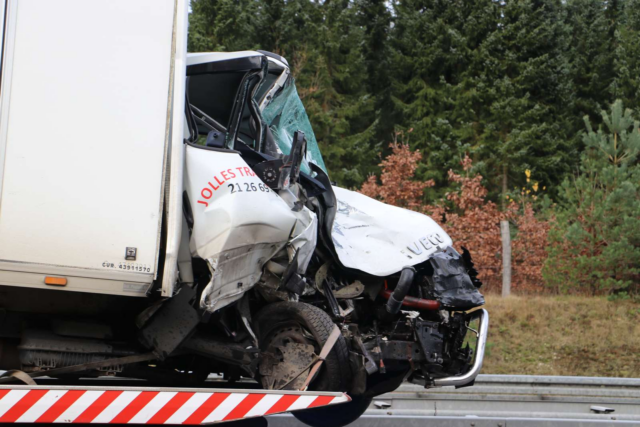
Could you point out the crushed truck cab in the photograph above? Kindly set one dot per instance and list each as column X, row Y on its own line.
column 165, row 216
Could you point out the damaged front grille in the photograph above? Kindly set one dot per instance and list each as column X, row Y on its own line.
column 452, row 280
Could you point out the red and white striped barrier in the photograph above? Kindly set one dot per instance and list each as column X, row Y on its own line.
column 101, row 405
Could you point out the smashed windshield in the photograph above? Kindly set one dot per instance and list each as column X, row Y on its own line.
column 285, row 115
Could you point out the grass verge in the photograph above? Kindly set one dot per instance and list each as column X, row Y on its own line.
column 563, row 335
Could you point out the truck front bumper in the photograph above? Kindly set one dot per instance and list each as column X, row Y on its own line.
column 470, row 376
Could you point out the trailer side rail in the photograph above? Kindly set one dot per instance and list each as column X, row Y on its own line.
column 146, row 405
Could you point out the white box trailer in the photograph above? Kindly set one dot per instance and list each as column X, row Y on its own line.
column 87, row 95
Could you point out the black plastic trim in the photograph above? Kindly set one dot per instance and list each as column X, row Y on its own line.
column 239, row 64
column 204, row 147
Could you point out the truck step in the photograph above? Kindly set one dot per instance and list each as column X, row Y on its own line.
column 146, row 405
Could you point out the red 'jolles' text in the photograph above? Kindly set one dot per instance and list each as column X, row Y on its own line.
column 222, row 177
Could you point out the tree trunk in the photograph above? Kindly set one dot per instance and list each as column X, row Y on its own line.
column 504, row 187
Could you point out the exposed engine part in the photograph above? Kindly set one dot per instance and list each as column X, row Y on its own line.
column 245, row 314
column 275, row 267
column 431, row 341
column 344, row 290
column 402, row 289
column 331, row 299
column 370, row 364
column 269, row 288
column 352, row 290
column 395, row 350
column 420, row 303
column 378, row 348
column 291, row 280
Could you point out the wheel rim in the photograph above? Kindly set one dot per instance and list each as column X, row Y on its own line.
column 288, row 354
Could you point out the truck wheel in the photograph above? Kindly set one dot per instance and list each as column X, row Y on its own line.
column 301, row 326
column 335, row 416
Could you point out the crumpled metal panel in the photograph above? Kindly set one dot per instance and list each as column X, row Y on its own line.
column 381, row 239
column 239, row 224
column 451, row 284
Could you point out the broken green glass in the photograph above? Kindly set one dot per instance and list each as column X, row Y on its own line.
column 284, row 115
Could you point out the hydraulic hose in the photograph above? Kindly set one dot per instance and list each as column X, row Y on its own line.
column 419, row 303
column 402, row 289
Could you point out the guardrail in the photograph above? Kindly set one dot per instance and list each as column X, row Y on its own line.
column 507, row 401
column 520, row 396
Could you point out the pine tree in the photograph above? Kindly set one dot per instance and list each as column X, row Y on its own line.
column 626, row 64
column 223, row 25
column 361, row 84
column 595, row 242
column 435, row 44
column 591, row 57
column 526, row 86
column 338, row 108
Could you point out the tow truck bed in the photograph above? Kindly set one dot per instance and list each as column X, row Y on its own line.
column 101, row 404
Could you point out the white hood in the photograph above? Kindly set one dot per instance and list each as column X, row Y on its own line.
column 381, row 239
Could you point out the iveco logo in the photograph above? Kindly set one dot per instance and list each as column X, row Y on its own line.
column 426, row 242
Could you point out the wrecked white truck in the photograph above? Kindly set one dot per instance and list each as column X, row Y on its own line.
column 169, row 222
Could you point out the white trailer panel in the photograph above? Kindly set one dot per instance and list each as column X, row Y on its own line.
column 83, row 134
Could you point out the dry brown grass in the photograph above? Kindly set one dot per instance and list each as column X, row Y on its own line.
column 564, row 335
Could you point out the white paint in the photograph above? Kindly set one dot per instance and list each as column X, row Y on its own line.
column 79, row 406
column 206, row 57
column 376, row 238
column 237, row 232
column 174, row 216
column 11, row 399
column 339, row 399
column 302, row 402
column 115, row 407
column 228, row 405
column 263, row 405
column 41, row 406
column 152, row 407
column 85, row 138
column 188, row 408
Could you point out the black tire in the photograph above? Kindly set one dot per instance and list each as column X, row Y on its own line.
column 336, row 415
column 335, row 373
